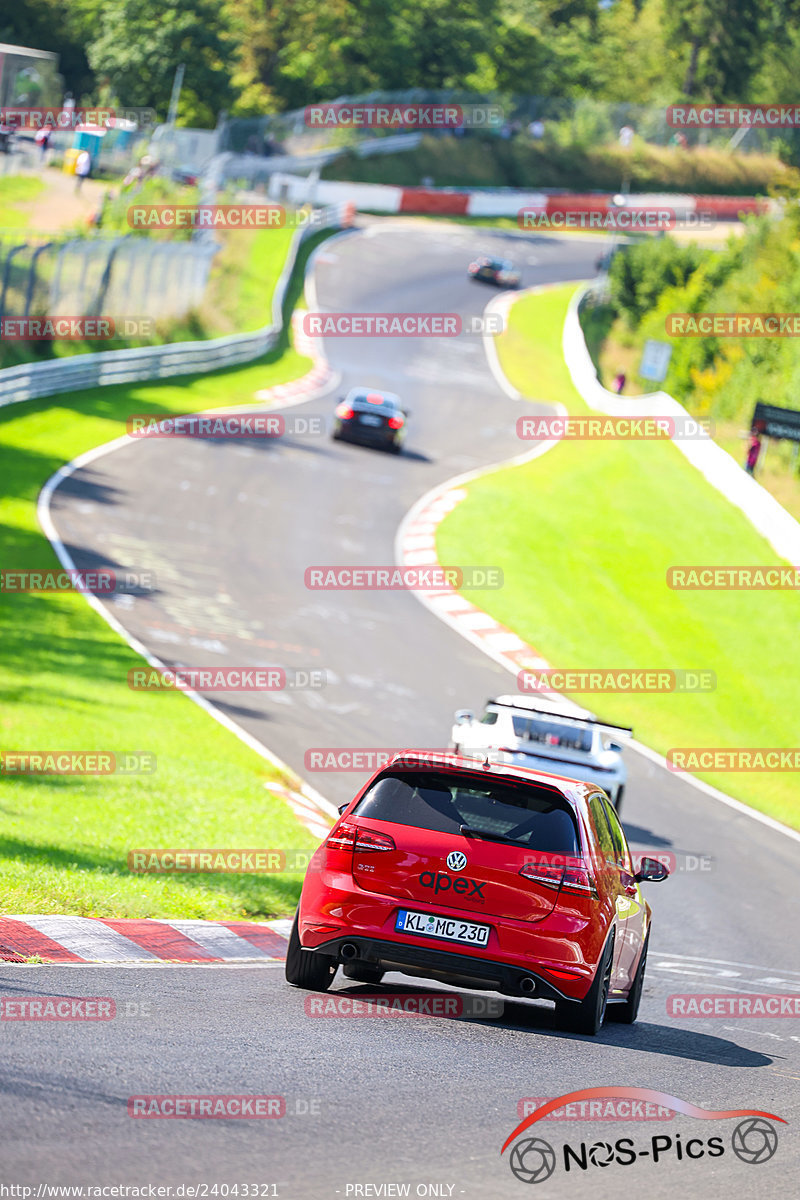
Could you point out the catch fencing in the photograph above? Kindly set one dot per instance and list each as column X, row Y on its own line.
column 101, row 275
column 31, row 380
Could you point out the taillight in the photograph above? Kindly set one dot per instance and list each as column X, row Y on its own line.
column 367, row 840
column 395, row 422
column 344, row 411
column 546, row 873
column 569, row 878
column 343, row 837
column 578, row 879
column 350, row 837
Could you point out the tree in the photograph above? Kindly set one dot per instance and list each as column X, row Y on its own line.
column 139, row 44
column 722, row 43
column 53, row 25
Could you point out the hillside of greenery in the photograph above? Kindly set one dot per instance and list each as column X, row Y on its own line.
column 519, row 162
column 719, row 377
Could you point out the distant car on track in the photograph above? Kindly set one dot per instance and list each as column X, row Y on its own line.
column 372, row 417
column 546, row 740
column 494, row 270
column 482, row 876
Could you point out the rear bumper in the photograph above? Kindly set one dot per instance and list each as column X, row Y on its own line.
column 559, row 952
column 462, row 970
column 370, row 436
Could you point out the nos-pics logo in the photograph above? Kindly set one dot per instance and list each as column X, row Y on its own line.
column 532, row 1160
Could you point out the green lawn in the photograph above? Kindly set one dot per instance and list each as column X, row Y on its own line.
column 16, row 190
column 585, row 534
column 64, row 840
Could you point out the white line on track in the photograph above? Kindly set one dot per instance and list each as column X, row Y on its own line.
column 722, row 962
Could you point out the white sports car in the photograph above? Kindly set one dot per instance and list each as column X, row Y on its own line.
column 529, row 736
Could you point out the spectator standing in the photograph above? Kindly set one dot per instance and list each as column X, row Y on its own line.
column 753, row 452
column 83, row 167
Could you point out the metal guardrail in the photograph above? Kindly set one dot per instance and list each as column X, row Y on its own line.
column 28, row 381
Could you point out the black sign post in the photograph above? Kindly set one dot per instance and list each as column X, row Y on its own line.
column 770, row 421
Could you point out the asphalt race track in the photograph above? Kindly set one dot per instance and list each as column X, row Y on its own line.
column 229, row 530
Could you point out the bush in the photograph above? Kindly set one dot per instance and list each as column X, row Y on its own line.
column 639, row 275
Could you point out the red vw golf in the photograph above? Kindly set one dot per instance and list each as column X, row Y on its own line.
column 484, row 876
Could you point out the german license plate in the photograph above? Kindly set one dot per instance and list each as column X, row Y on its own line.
column 446, row 928
column 369, row 420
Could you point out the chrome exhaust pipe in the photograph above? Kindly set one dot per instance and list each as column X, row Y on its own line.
column 349, row 952
column 527, row 985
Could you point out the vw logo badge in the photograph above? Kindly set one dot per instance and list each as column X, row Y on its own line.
column 456, row 861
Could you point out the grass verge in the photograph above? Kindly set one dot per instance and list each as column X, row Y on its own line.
column 17, row 191
column 585, row 535
column 64, row 840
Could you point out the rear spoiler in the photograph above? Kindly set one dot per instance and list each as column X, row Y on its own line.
column 625, row 730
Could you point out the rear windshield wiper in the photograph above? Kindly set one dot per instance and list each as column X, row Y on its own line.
column 470, row 831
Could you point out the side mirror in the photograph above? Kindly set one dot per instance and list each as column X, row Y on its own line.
column 406, row 412
column 343, row 807
column 651, row 871
column 464, row 716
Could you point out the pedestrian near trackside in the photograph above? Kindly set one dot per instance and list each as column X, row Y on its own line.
column 83, row 167
column 42, row 140
column 619, row 383
column 753, row 451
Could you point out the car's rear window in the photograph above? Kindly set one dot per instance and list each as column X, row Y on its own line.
column 551, row 733
column 536, row 816
column 373, row 400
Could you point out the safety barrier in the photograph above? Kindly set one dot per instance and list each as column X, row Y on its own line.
column 28, row 381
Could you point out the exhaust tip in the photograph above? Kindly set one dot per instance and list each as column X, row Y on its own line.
column 349, row 951
column 527, row 985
